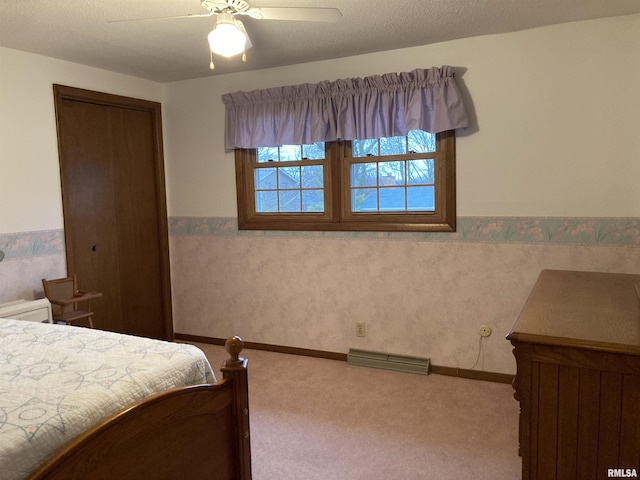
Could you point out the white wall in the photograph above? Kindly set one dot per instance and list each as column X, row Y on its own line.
column 556, row 114
column 30, row 197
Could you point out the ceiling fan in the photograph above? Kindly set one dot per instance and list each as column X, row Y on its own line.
column 229, row 37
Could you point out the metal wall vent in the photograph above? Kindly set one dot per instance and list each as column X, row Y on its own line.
column 388, row 361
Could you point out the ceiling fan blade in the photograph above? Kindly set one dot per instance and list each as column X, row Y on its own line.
column 296, row 13
column 248, row 43
column 190, row 15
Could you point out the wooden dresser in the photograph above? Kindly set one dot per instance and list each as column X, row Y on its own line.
column 577, row 349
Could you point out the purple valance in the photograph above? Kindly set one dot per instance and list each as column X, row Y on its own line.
column 355, row 108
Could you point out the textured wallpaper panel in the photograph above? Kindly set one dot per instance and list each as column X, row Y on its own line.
column 419, row 294
column 416, row 298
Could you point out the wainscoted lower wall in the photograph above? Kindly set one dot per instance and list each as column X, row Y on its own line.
column 422, row 294
column 28, row 258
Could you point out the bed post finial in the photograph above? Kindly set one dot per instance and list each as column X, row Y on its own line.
column 234, row 346
column 235, row 369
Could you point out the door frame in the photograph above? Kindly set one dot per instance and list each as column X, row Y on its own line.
column 62, row 92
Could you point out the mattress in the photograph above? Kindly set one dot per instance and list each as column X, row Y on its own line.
column 56, row 381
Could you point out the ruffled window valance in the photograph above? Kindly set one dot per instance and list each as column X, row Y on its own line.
column 357, row 108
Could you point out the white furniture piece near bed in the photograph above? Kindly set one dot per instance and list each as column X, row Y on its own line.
column 31, row 310
column 58, row 381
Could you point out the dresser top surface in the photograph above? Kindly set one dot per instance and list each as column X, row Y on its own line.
column 583, row 309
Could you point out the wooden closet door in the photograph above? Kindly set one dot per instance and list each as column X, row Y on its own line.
column 113, row 197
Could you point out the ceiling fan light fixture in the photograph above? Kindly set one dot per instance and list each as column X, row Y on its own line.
column 227, row 37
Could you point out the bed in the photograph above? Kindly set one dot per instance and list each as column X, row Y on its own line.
column 78, row 403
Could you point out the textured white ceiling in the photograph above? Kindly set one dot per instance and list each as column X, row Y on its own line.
column 176, row 49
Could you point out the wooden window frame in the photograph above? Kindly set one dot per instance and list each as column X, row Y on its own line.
column 337, row 215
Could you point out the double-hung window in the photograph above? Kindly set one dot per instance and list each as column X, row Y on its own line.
column 400, row 183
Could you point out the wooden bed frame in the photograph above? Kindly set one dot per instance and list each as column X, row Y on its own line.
column 197, row 432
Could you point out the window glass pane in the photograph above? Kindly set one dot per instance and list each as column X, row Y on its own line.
column 420, row 172
column 313, row 200
column 267, row 154
column 421, row 198
column 364, row 200
column 265, row 178
column 421, row 142
column 266, row 201
column 393, row 145
column 290, row 152
column 391, row 173
column 289, row 177
column 289, row 200
column 364, row 148
column 314, row 151
column 312, row 176
column 392, row 198
column 364, row 174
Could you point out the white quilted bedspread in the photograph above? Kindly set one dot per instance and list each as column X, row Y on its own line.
column 57, row 381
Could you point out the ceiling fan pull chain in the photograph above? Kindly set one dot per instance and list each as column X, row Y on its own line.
column 211, row 60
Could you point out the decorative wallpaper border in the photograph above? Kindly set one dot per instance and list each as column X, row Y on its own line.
column 31, row 244
column 536, row 230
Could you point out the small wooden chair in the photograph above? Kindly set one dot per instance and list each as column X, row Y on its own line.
column 64, row 296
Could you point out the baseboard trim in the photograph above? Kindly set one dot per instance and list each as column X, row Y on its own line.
column 473, row 374
column 306, row 352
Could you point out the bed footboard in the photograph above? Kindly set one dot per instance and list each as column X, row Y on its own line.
column 199, row 432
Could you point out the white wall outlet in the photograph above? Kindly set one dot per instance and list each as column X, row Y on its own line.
column 359, row 329
column 485, row 330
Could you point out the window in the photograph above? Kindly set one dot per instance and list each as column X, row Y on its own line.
column 404, row 183
column 289, row 179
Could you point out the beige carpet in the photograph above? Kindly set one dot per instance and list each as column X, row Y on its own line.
column 315, row 419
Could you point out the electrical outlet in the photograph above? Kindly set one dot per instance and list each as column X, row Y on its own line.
column 359, row 329
column 485, row 330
